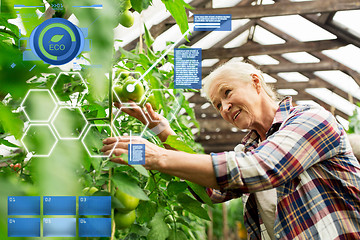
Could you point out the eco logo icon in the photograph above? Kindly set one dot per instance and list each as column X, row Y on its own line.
column 57, row 41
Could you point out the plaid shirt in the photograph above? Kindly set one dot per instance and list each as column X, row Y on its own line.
column 308, row 159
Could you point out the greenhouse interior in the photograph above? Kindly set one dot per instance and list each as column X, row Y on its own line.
column 108, row 129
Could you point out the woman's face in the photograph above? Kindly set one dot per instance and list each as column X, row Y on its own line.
column 237, row 101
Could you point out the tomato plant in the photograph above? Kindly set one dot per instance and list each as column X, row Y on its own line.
column 151, row 205
column 129, row 202
column 89, row 190
column 135, row 95
column 124, row 220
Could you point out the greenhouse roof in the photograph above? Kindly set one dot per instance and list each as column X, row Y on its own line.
column 307, row 49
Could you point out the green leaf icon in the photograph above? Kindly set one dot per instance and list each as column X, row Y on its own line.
column 56, row 38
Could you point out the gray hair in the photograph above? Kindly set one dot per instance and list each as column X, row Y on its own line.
column 240, row 71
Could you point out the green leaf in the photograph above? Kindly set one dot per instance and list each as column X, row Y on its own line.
column 128, row 185
column 124, row 157
column 175, row 188
column 129, row 55
column 86, row 162
column 56, row 38
column 149, row 40
column 192, row 206
column 95, row 162
column 7, row 143
column 139, row 230
column 140, row 5
column 141, row 170
column 174, row 142
column 177, row 8
column 165, row 176
column 201, row 192
column 115, row 203
column 145, row 61
column 159, row 229
column 182, row 221
column 178, row 235
column 10, row 123
column 354, row 122
column 146, row 211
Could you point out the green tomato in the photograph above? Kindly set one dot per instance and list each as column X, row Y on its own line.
column 151, row 99
column 129, row 202
column 135, row 95
column 124, row 220
column 120, row 94
column 89, row 191
column 125, row 4
column 126, row 19
column 122, row 73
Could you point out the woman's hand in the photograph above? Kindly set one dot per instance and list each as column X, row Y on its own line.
column 197, row 168
column 153, row 153
column 156, row 121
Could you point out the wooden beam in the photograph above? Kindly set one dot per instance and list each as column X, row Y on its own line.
column 197, row 98
column 354, row 74
column 312, row 83
column 341, row 33
column 283, row 8
column 300, row 67
column 275, row 31
column 290, row 67
column 329, row 86
column 197, row 36
column 302, row 94
column 251, row 49
column 326, row 17
column 321, row 82
column 158, row 29
column 325, row 105
column 234, row 34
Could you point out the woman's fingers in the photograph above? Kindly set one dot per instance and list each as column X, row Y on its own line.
column 117, row 152
column 154, row 116
column 110, row 140
column 117, row 146
column 134, row 112
column 119, row 160
column 117, row 104
column 134, row 139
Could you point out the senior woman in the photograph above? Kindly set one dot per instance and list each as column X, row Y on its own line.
column 295, row 167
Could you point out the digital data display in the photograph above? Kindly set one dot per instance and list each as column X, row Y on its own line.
column 27, row 218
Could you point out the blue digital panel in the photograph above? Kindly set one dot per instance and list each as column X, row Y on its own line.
column 136, row 154
column 95, row 205
column 23, row 227
column 187, row 68
column 59, row 227
column 59, row 205
column 95, row 227
column 23, row 205
column 212, row 22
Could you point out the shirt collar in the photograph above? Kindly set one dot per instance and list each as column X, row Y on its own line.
column 252, row 138
column 283, row 111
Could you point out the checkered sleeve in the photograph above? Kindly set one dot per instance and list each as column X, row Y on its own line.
column 306, row 137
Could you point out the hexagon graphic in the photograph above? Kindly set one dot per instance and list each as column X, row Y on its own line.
column 39, row 139
column 172, row 105
column 39, row 105
column 69, row 123
column 93, row 137
column 69, row 88
column 119, row 83
column 122, row 120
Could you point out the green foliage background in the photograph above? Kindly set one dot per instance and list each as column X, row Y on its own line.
column 167, row 210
